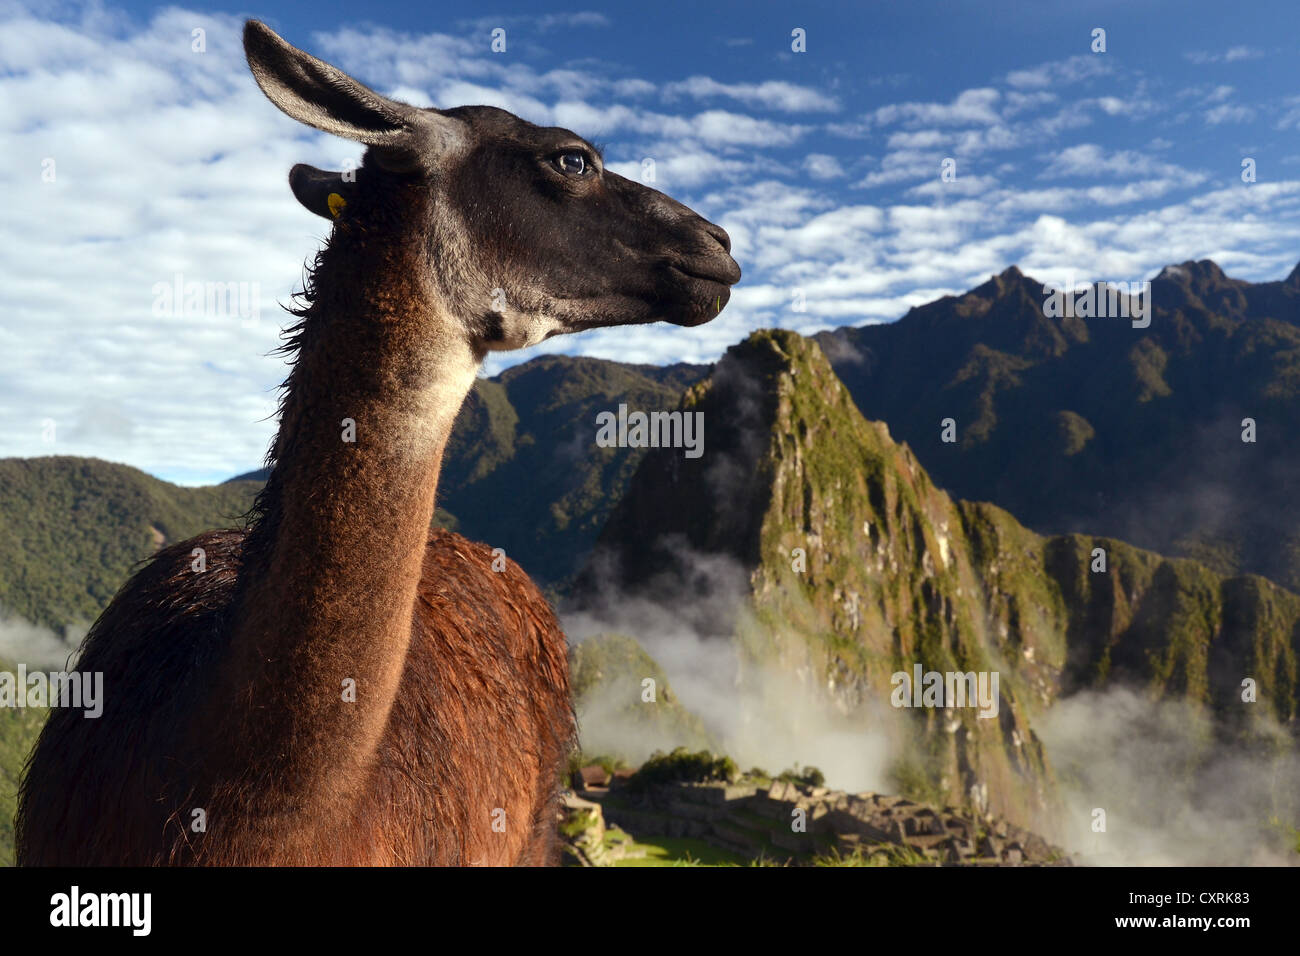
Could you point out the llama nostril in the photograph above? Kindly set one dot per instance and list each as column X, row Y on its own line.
column 720, row 234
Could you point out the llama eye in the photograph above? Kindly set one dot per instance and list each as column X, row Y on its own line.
column 575, row 164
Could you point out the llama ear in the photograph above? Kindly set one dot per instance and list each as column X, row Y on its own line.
column 313, row 92
column 324, row 193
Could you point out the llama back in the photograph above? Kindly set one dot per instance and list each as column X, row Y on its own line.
column 468, row 771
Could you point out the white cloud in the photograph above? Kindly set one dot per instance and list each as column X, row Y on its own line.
column 719, row 126
column 1134, row 107
column 1017, row 102
column 711, row 127
column 771, row 95
column 1241, row 53
column 1091, row 160
column 1229, row 113
column 680, row 165
column 919, row 139
column 541, row 22
column 633, row 88
column 1060, row 72
column 822, row 166
column 1231, row 55
column 902, row 166
column 1291, row 118
column 970, row 107
column 961, row 186
column 478, row 94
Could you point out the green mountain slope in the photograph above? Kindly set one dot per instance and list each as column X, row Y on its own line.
column 71, row 530
column 19, row 727
column 856, row 566
column 1091, row 425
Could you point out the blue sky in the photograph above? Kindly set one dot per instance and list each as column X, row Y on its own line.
column 824, row 166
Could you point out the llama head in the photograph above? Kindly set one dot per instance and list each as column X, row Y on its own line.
column 528, row 234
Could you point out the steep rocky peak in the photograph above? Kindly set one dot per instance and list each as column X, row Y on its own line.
column 1196, row 275
column 1293, row 280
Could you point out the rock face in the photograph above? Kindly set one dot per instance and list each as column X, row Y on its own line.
column 585, row 837
column 854, row 566
column 789, row 822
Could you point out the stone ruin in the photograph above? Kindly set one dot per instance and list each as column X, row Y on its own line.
column 766, row 823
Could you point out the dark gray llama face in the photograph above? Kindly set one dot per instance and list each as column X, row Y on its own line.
column 530, row 236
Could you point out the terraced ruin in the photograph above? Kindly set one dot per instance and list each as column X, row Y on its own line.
column 786, row 822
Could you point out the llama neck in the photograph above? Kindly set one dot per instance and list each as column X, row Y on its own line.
column 331, row 570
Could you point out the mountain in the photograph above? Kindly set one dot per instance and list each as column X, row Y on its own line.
column 1092, row 425
column 1073, row 425
column 72, row 530
column 523, row 471
column 849, row 565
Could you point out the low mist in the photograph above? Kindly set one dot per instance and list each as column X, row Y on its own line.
column 40, row 648
column 1173, row 794
column 758, row 713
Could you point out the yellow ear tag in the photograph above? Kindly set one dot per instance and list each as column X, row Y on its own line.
column 336, row 204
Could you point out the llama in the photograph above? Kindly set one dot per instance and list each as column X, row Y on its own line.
column 341, row 685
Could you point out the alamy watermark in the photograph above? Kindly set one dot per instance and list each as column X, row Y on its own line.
column 180, row 298
column 651, row 430
column 924, row 688
column 75, row 908
column 84, row 689
column 1110, row 300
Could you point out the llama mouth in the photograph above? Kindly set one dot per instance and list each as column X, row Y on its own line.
column 723, row 277
column 706, row 306
column 708, row 287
